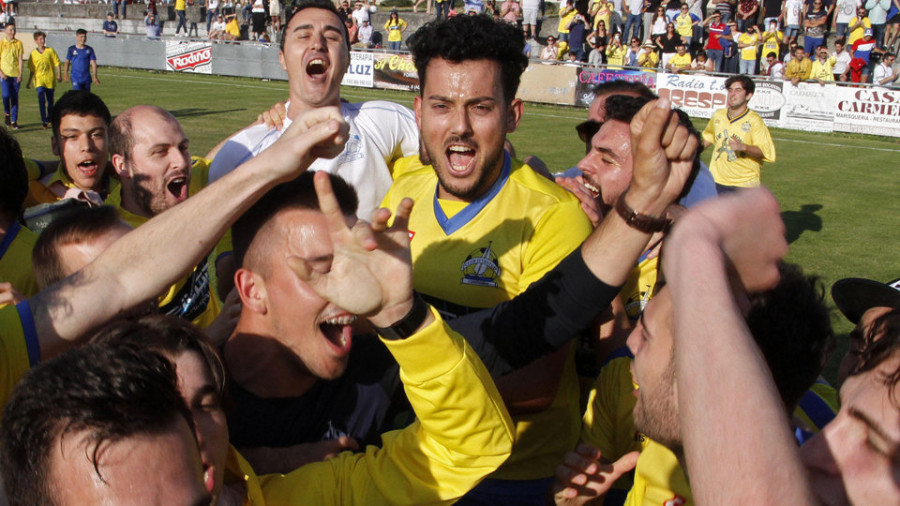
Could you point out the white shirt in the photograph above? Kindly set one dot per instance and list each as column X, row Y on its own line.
column 842, row 61
column 635, row 6
column 882, row 71
column 380, row 132
column 792, row 9
column 777, row 70
column 360, row 15
column 365, row 34
column 845, row 10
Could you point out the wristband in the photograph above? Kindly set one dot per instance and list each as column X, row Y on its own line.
column 407, row 325
column 642, row 222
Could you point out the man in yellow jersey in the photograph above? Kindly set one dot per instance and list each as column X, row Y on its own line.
column 16, row 242
column 822, row 68
column 12, row 53
column 151, row 157
column 80, row 123
column 41, row 63
column 741, row 140
column 681, row 61
column 486, row 226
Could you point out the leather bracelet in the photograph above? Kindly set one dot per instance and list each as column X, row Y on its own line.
column 407, row 325
column 642, row 222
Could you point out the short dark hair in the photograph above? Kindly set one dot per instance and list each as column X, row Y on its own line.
column 327, row 5
column 13, row 176
column 79, row 103
column 772, row 54
column 623, row 108
column 81, row 31
column 82, row 224
column 462, row 38
column 11, row 22
column 297, row 194
column 620, row 86
column 791, row 325
column 112, row 392
column 881, row 342
column 167, row 335
column 746, row 82
column 841, row 41
column 39, row 34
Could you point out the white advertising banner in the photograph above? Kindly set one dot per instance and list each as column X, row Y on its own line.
column 809, row 107
column 360, row 72
column 768, row 101
column 697, row 95
column 867, row 110
column 183, row 56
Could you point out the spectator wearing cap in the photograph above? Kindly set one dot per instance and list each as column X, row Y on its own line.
column 395, row 28
column 862, row 301
column 648, row 58
column 863, row 49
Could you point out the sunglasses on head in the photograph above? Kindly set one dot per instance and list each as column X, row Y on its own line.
column 587, row 129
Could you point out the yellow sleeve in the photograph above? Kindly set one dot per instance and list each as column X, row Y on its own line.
column 462, row 433
column 762, row 138
column 19, row 348
column 547, row 246
column 709, row 133
column 387, row 24
column 54, row 57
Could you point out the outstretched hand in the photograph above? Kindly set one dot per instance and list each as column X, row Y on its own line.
column 582, row 477
column 371, row 270
column 317, row 133
column 663, row 154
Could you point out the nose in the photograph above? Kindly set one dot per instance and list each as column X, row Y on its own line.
column 634, row 339
column 816, row 454
column 461, row 126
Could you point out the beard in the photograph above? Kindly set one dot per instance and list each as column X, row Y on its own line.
column 656, row 415
column 486, row 174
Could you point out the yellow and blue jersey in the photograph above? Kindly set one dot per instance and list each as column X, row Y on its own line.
column 730, row 168
column 15, row 259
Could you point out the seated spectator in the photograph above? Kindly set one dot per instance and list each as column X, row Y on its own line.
column 885, row 74
column 365, row 33
column 681, row 61
column 352, row 31
column 702, row 63
column 822, row 70
column 799, row 68
column 551, row 50
column 842, row 59
column 774, row 68
column 217, row 29
column 648, row 58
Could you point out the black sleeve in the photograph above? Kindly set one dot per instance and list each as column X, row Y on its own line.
column 538, row 321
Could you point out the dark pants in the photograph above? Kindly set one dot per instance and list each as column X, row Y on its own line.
column 182, row 22
column 10, row 88
column 45, row 102
column 443, row 9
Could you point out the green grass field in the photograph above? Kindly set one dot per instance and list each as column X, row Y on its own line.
column 836, row 190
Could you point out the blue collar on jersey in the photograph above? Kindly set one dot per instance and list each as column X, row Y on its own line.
column 469, row 212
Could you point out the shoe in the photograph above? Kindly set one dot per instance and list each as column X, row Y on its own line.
column 6, row 120
column 14, row 126
column 46, row 126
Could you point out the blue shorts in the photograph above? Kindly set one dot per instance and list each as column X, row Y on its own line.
column 81, row 85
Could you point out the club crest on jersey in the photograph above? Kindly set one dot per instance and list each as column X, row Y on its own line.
column 480, row 268
column 746, row 127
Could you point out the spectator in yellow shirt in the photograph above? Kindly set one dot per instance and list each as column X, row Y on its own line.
column 799, row 68
column 822, row 69
column 681, row 61
column 11, row 54
column 41, row 64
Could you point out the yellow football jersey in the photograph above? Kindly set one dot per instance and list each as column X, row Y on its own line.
column 730, row 168
column 19, row 347
column 43, row 66
column 15, row 259
column 11, row 52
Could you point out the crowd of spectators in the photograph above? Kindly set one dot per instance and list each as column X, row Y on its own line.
column 225, row 329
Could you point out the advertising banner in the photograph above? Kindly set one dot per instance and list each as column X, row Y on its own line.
column 183, row 56
column 697, row 95
column 361, row 70
column 768, row 101
column 867, row 111
column 588, row 77
column 395, row 72
column 808, row 106
column 549, row 84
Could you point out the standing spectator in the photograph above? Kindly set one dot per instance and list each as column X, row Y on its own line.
column 774, row 68
column 729, row 49
column 529, row 18
column 153, row 31
column 841, row 61
column 673, row 9
column 668, row 44
column 841, row 21
column 258, row 16
column 814, row 22
column 651, row 8
column 195, row 17
column 83, row 61
column 726, row 9
column 634, row 9
column 658, row 23
column 822, row 70
column 352, row 31
column 366, row 32
column 863, row 49
column 885, row 74
column 685, row 23
column 878, row 10
column 12, row 53
column 772, row 12
column 772, row 39
column 717, row 31
column 747, row 12
column 893, row 26
column 43, row 64
column 110, row 27
column 702, row 64
column 577, row 30
column 344, row 10
column 798, row 69
column 395, row 28
column 566, row 15
column 615, row 53
column 741, row 139
column 180, row 13
column 858, row 25
column 360, row 13
column 275, row 16
column 119, row 3
column 792, row 12
column 511, row 12
column 442, row 8
column 551, row 50
column 212, row 11
column 602, row 13
column 748, row 42
column 681, row 61
column 648, row 58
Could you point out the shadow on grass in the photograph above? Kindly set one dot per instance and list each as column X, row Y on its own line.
column 196, row 112
column 797, row 222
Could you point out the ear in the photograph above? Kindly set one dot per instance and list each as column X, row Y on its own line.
column 54, row 144
column 118, row 163
column 514, row 115
column 252, row 289
column 417, row 107
column 281, row 60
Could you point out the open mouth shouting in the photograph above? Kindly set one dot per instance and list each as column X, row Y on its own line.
column 177, row 186
column 461, row 159
column 338, row 329
column 317, row 67
column 89, row 169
